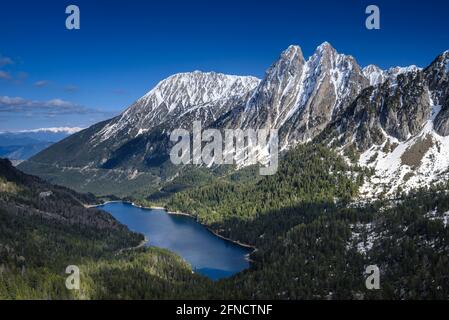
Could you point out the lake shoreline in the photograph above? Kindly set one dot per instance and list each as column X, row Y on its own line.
column 140, row 245
column 173, row 213
column 214, row 232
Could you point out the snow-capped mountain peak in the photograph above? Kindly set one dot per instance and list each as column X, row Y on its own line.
column 196, row 88
column 300, row 97
column 67, row 130
column 292, row 51
column 395, row 71
column 206, row 94
column 325, row 46
column 377, row 76
column 374, row 74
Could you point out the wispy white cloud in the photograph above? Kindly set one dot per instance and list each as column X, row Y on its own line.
column 41, row 83
column 120, row 92
column 17, row 78
column 5, row 75
column 21, row 77
column 4, row 61
column 71, row 88
column 53, row 107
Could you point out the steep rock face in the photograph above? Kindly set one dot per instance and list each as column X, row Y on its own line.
column 374, row 74
column 276, row 95
column 404, row 107
column 332, row 82
column 399, row 128
column 298, row 97
column 398, row 109
column 398, row 106
column 437, row 75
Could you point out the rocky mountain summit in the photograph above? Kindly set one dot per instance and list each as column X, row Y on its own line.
column 399, row 127
column 300, row 97
column 178, row 100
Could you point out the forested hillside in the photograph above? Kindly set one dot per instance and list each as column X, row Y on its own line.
column 315, row 252
column 45, row 228
column 309, row 175
column 312, row 239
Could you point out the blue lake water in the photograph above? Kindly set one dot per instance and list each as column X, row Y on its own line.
column 208, row 254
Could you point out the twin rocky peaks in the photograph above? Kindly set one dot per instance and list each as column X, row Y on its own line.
column 327, row 97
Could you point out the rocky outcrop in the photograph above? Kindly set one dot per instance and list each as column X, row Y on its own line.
column 437, row 75
column 301, row 97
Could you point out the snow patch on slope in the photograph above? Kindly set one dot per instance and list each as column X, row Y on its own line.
column 377, row 76
column 362, row 238
column 392, row 175
column 68, row 130
column 374, row 74
column 435, row 216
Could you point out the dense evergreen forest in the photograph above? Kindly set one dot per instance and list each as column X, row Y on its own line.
column 314, row 239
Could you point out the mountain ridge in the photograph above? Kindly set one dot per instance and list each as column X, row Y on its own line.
column 327, row 98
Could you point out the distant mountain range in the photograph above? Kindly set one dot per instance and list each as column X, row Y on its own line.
column 394, row 121
column 21, row 145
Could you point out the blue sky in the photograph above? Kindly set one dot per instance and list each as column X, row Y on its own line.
column 50, row 76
